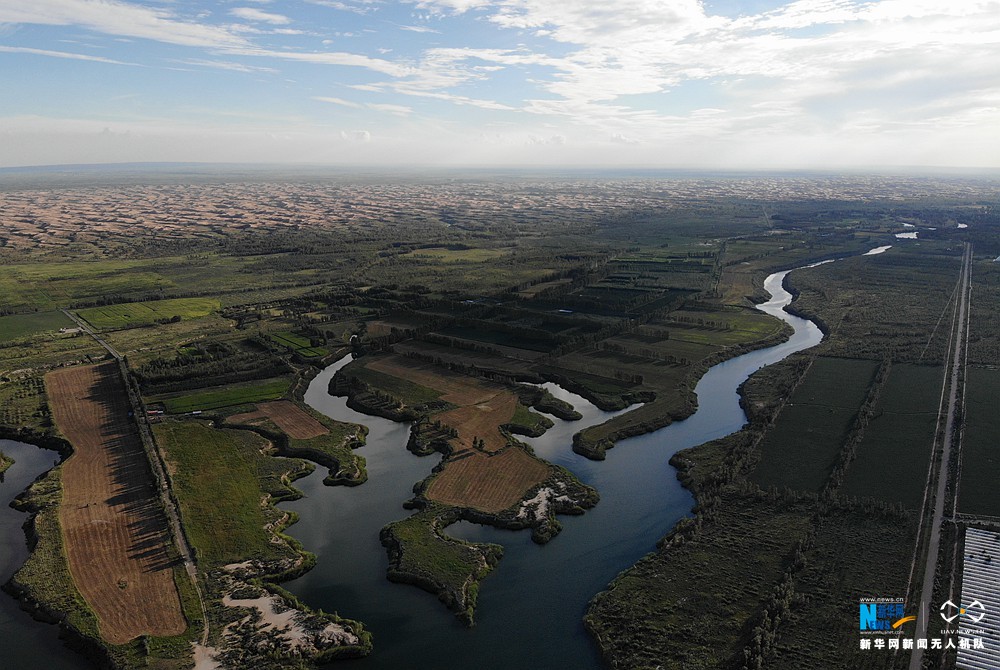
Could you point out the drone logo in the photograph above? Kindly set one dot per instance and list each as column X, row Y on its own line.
column 975, row 611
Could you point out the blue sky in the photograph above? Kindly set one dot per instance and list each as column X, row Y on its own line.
column 671, row 83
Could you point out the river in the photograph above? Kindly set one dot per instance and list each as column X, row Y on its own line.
column 26, row 643
column 531, row 606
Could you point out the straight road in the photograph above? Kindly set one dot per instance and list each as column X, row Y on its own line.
column 960, row 335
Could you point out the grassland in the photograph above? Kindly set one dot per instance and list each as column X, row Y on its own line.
column 229, row 396
column 220, row 478
column 421, row 554
column 980, row 461
column 25, row 325
column 297, row 431
column 5, row 462
column 133, row 314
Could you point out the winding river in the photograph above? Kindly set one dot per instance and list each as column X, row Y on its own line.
column 530, row 608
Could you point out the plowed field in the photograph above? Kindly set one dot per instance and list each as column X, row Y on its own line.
column 292, row 419
column 482, row 421
column 489, row 483
column 115, row 533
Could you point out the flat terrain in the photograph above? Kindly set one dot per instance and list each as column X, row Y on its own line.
column 287, row 416
column 488, row 483
column 116, row 538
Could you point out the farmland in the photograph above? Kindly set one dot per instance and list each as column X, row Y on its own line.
column 117, row 543
column 228, row 396
column 892, row 458
column 25, row 325
column 803, row 446
column 490, row 483
column 130, row 315
column 980, row 462
column 224, row 295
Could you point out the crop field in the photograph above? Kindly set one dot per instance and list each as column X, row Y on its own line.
column 298, row 344
column 482, row 420
column 226, row 396
column 453, row 387
column 977, row 492
column 25, row 325
column 443, row 255
column 800, row 450
column 891, row 461
column 131, row 314
column 488, row 483
column 220, row 478
column 116, row 538
column 292, row 419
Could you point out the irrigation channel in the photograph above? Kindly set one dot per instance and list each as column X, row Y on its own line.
column 531, row 607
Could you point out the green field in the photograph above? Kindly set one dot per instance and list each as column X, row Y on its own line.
column 229, row 396
column 298, row 344
column 131, row 314
column 25, row 325
column 802, row 448
column 891, row 461
column 980, row 456
column 217, row 477
column 442, row 255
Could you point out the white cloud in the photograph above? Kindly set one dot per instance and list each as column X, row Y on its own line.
column 356, row 136
column 338, row 101
column 119, row 18
column 59, row 54
column 253, row 14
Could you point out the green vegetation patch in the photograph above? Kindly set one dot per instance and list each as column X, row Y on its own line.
column 299, row 344
column 25, row 325
column 420, row 554
column 690, row 604
column 132, row 314
column 892, row 459
column 857, row 552
column 229, row 396
column 407, row 392
column 980, row 456
column 802, row 448
column 218, row 477
column 5, row 462
column 444, row 255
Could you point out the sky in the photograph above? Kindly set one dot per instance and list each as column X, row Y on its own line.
column 709, row 84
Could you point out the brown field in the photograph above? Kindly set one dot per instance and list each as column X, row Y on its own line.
column 488, row 483
column 115, row 533
column 482, row 420
column 455, row 388
column 289, row 417
column 295, row 421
